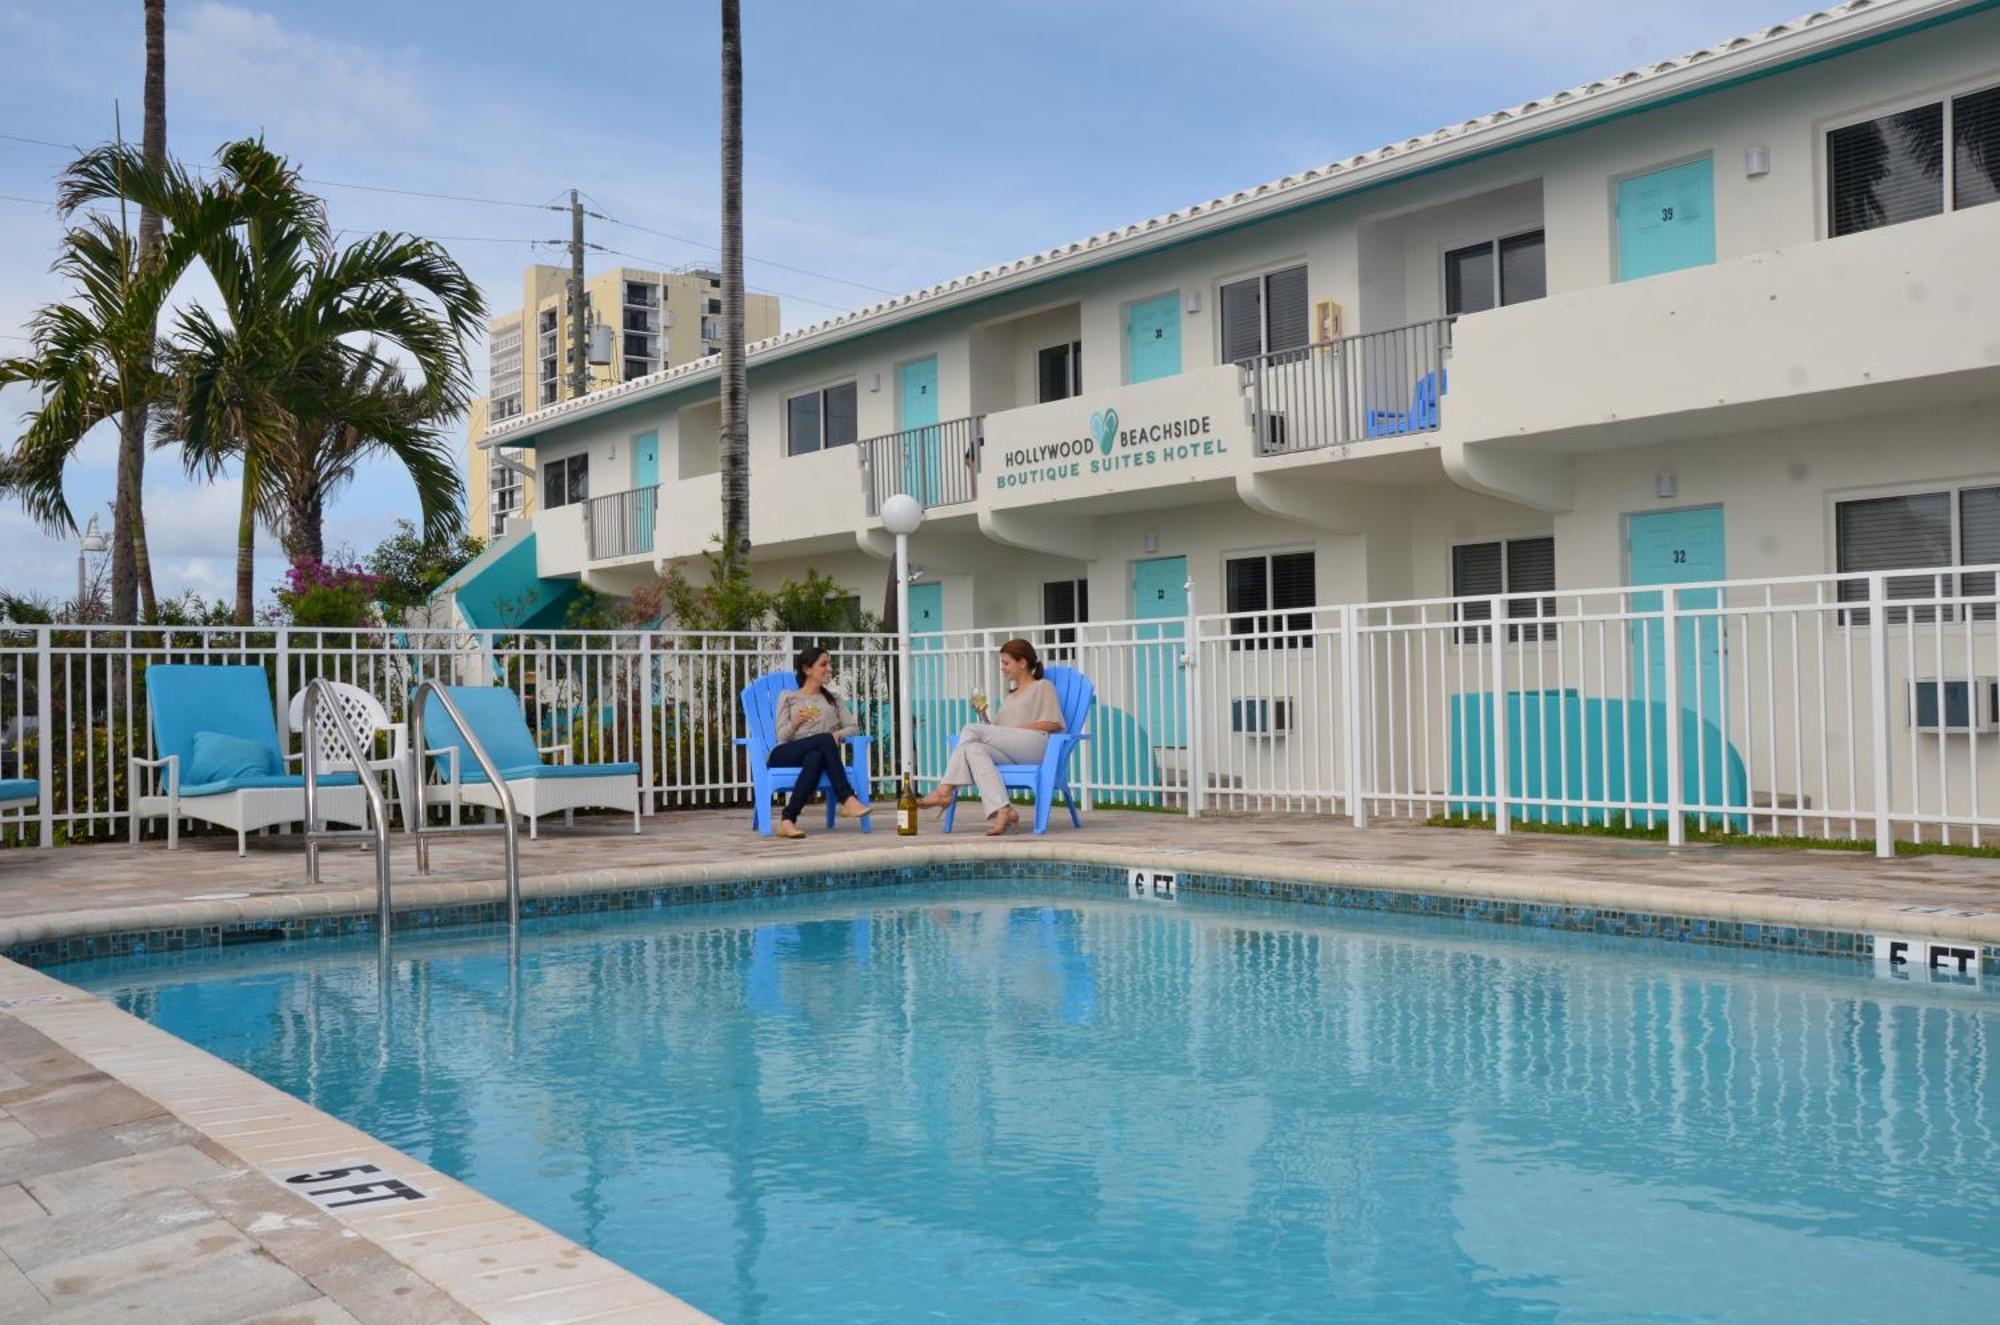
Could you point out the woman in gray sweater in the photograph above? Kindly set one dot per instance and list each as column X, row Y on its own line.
column 812, row 722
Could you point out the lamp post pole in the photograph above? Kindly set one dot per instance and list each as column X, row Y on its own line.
column 903, row 515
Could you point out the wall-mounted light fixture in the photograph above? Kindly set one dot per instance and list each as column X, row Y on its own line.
column 1151, row 541
column 874, row 381
column 1756, row 161
column 1666, row 483
column 1194, row 301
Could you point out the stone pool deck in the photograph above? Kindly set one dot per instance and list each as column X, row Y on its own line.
column 139, row 1175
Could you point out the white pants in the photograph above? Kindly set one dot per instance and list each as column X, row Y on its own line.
column 981, row 745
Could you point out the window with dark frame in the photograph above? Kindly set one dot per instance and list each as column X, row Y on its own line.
column 1510, row 270
column 1893, row 168
column 1504, row 566
column 1265, row 314
column 566, row 481
column 1272, row 587
column 1059, row 372
column 1945, row 528
column 820, row 420
column 1065, row 605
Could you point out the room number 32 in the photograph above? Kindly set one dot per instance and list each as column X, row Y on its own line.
column 1680, row 556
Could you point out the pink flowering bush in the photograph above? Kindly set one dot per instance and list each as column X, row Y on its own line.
column 318, row 594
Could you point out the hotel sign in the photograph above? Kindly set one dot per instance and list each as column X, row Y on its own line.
column 1154, row 433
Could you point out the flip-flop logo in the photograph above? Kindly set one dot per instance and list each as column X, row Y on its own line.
column 1104, row 423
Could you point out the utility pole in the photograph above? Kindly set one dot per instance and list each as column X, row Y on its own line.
column 579, row 324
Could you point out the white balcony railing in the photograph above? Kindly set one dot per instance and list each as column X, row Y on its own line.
column 938, row 465
column 622, row 524
column 1375, row 386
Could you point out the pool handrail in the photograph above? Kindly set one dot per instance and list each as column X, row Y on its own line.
column 419, row 751
column 319, row 692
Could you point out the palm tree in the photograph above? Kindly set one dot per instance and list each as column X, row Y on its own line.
column 93, row 356
column 735, row 421
column 276, row 378
column 369, row 409
column 131, row 567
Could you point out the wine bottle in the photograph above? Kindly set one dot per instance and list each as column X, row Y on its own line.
column 906, row 809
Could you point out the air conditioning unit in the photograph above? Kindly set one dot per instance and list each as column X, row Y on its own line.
column 1945, row 704
column 1260, row 717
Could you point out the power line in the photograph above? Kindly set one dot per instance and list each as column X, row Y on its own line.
column 33, row 202
column 766, row 262
column 667, row 266
column 446, row 197
column 38, row 142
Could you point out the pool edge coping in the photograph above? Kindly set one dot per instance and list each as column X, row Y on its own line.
column 268, row 1131
column 1542, row 890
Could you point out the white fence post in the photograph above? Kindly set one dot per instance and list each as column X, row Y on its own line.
column 648, row 792
column 1351, row 709
column 1878, row 699
column 1190, row 661
column 45, row 735
column 1671, row 652
column 281, row 683
column 1496, row 609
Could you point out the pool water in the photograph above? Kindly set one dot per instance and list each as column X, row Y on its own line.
column 1044, row 1102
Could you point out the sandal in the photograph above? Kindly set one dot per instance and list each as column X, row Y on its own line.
column 1001, row 820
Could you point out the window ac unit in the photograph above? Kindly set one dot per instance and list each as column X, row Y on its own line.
column 1260, row 717
column 1945, row 704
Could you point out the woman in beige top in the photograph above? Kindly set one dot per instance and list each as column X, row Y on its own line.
column 1018, row 735
column 812, row 722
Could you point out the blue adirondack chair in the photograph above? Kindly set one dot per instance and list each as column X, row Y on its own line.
column 760, row 717
column 19, row 791
column 1422, row 415
column 1050, row 778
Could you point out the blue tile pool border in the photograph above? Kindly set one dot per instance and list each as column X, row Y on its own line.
column 1570, row 917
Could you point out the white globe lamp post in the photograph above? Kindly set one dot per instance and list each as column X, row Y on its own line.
column 903, row 515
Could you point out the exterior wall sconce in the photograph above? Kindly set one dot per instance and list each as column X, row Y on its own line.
column 1151, row 541
column 1666, row 484
column 1193, row 301
column 874, row 381
column 1756, row 161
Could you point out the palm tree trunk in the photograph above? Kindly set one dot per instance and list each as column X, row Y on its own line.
column 735, row 421
column 305, row 527
column 131, row 568
column 246, row 548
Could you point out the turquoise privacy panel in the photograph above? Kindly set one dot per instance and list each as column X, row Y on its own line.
column 1563, row 746
column 1153, row 337
column 646, row 460
column 917, row 400
column 935, row 714
column 1678, row 547
column 1666, row 220
column 1159, row 685
column 1120, row 750
column 507, row 594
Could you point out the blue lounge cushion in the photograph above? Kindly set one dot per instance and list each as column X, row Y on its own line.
column 19, row 789
column 262, row 782
column 185, row 699
column 471, row 772
column 221, row 757
column 494, row 714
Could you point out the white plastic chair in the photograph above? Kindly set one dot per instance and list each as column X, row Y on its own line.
column 365, row 717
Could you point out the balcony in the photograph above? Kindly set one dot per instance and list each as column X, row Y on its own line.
column 938, row 465
column 1888, row 320
column 622, row 524
column 1375, row 386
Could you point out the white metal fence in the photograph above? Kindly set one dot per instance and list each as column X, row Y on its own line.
column 1850, row 707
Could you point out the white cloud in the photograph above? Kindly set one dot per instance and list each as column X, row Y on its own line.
column 245, row 67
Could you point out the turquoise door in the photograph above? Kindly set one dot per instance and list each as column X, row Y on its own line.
column 1159, row 594
column 917, row 401
column 936, row 713
column 1153, row 337
column 1666, row 220
column 646, row 460
column 1670, row 547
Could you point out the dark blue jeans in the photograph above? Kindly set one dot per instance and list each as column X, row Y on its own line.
column 814, row 757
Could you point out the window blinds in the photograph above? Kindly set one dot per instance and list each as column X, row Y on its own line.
column 1887, row 170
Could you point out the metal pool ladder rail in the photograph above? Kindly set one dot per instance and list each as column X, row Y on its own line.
column 509, row 829
column 319, row 696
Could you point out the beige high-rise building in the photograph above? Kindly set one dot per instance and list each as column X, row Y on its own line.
column 658, row 320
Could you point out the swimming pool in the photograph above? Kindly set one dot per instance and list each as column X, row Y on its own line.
column 1043, row 1101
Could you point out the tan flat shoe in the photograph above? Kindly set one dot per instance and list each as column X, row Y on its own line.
column 790, row 831
column 856, row 809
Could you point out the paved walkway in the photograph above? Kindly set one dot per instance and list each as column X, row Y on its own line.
column 83, row 889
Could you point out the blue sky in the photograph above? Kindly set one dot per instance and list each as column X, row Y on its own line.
column 889, row 144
